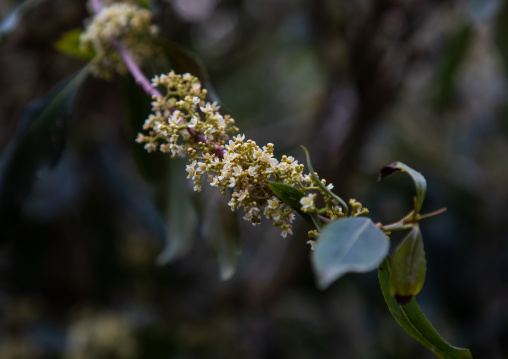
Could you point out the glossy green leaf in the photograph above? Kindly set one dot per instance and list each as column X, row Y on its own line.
column 292, row 196
column 321, row 185
column 411, row 318
column 35, row 147
column 68, row 44
column 408, row 268
column 353, row 244
column 418, row 179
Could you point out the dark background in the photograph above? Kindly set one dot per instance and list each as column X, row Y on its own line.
column 359, row 83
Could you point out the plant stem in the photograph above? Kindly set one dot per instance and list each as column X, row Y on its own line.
column 408, row 221
column 96, row 6
column 134, row 69
column 219, row 150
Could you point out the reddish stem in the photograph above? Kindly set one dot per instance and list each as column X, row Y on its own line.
column 219, row 150
column 96, row 5
column 134, row 69
column 145, row 84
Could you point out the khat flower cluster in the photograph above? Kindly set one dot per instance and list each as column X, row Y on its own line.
column 182, row 123
column 128, row 23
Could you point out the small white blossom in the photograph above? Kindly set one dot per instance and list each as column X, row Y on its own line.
column 150, row 147
column 193, row 122
column 307, row 202
column 286, row 231
column 273, row 203
column 252, row 171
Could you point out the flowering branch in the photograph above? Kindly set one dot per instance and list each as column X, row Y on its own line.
column 183, row 123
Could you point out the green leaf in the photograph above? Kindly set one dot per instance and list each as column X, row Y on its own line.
column 411, row 318
column 353, row 244
column 35, row 148
column 321, row 185
column 69, row 45
column 418, row 179
column 222, row 231
column 292, row 196
column 181, row 217
column 409, row 266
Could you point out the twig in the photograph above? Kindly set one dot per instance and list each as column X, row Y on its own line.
column 134, row 69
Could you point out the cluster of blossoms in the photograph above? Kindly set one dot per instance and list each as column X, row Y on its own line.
column 184, row 123
column 124, row 22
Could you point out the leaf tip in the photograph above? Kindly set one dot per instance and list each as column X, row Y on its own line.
column 388, row 170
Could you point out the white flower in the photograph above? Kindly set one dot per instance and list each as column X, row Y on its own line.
column 239, row 138
column 252, row 171
column 192, row 123
column 237, row 171
column 242, row 195
column 312, row 244
column 307, row 179
column 286, row 231
column 232, row 182
column 201, row 167
column 191, row 169
column 273, row 203
column 330, row 186
column 208, row 133
column 307, row 202
column 150, row 146
column 215, row 182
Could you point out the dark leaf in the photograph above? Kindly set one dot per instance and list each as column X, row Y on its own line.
column 418, row 179
column 35, row 148
column 127, row 191
column 408, row 267
column 11, row 21
column 411, row 318
column 181, row 217
column 222, row 232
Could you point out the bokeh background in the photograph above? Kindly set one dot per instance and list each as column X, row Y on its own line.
column 84, row 269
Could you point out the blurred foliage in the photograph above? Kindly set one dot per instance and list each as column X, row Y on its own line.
column 359, row 83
